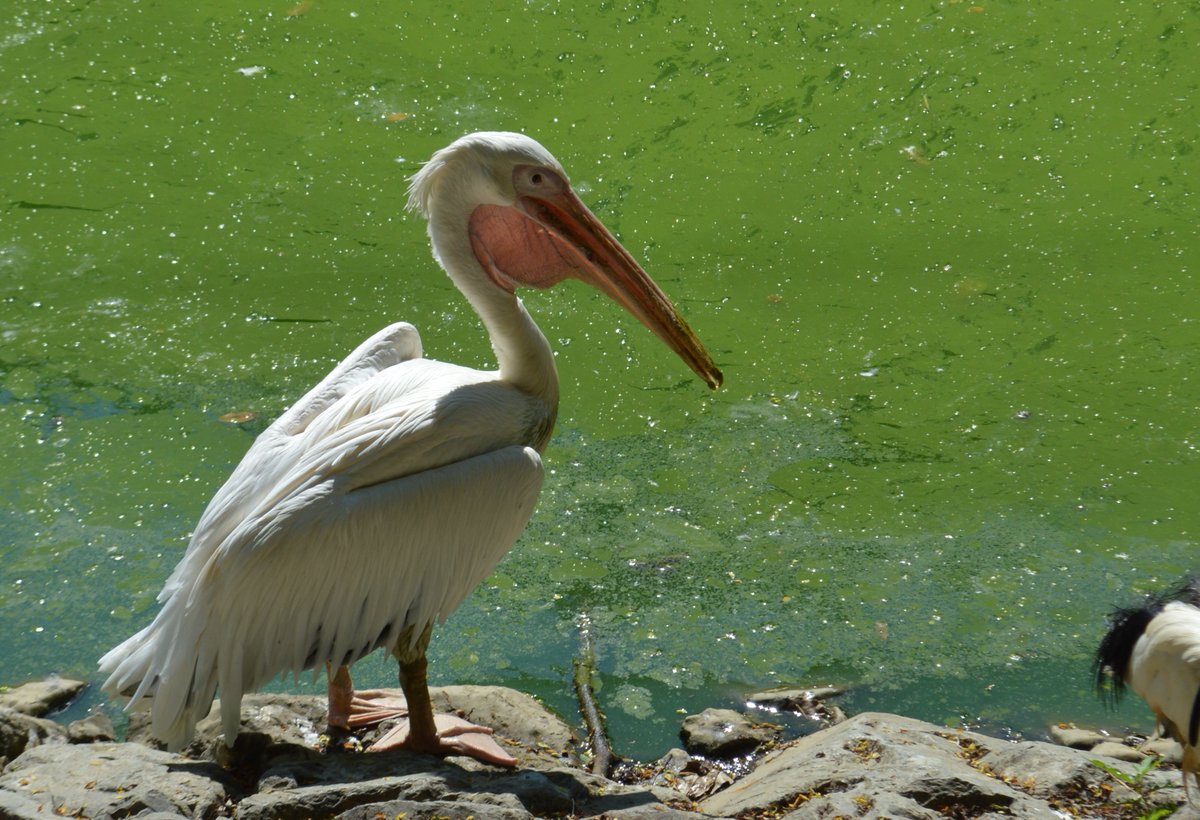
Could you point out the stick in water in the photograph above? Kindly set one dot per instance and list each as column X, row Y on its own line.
column 585, row 668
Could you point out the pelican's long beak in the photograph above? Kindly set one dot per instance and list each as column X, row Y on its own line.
column 602, row 262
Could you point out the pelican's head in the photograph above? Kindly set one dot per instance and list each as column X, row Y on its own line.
column 476, row 168
column 500, row 203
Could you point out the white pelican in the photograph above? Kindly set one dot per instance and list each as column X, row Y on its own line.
column 1154, row 648
column 371, row 508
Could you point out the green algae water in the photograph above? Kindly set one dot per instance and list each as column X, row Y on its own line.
column 943, row 251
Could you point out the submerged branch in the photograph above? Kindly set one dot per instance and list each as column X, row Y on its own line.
column 585, row 668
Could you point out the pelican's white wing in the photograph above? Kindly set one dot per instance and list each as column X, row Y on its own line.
column 243, row 490
column 374, row 505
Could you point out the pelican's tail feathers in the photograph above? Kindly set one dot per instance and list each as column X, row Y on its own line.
column 169, row 664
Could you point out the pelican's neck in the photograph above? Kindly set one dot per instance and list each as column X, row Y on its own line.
column 522, row 352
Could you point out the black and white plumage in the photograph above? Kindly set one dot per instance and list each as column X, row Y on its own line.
column 1154, row 649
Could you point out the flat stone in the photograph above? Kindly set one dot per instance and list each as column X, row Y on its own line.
column 332, row 798
column 1118, row 751
column 724, row 733
column 115, row 779
column 673, row 761
column 1166, row 748
column 815, row 703
column 915, row 768
column 14, row 806
column 793, row 698
column 39, row 697
column 521, row 720
column 96, row 728
column 1043, row 769
column 1076, row 738
column 433, row 810
column 512, row 714
column 293, row 719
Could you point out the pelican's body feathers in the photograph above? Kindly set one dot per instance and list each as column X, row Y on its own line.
column 384, row 465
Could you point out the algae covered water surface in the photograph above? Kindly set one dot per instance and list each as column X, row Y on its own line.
column 944, row 253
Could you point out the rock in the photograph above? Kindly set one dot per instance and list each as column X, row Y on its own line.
column 95, row 728
column 871, row 766
column 15, row 806
column 673, row 761
column 307, row 784
column 811, row 703
column 290, row 719
column 1042, row 769
column 877, row 764
column 1117, row 751
column 300, row 719
column 724, row 733
column 512, row 714
column 276, row 774
column 1166, row 748
column 1067, row 735
column 433, row 810
column 37, row 698
column 20, row 731
column 793, row 698
column 114, row 779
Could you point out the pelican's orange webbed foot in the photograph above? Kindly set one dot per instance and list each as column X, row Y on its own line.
column 455, row 736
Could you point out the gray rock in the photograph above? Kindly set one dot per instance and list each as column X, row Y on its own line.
column 115, row 779
column 14, row 806
column 330, row 799
column 673, row 761
column 310, row 785
column 652, row 811
column 724, row 733
column 294, row 719
column 1043, row 769
column 858, row 804
column 512, row 714
column 1117, row 751
column 918, row 769
column 37, row 698
column 871, row 766
column 96, row 728
column 1076, row 738
column 812, row 703
column 19, row 731
column 433, row 810
column 300, row 719
column 1166, row 748
column 793, row 698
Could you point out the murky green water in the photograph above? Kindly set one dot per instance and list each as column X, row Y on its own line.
column 943, row 251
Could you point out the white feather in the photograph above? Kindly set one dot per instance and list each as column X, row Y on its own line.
column 1165, row 665
column 375, row 504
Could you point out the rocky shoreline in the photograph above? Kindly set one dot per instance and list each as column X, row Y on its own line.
column 735, row 765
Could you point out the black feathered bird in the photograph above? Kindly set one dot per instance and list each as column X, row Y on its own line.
column 1154, row 649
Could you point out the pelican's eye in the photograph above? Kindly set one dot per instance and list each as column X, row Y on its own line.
column 536, row 179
